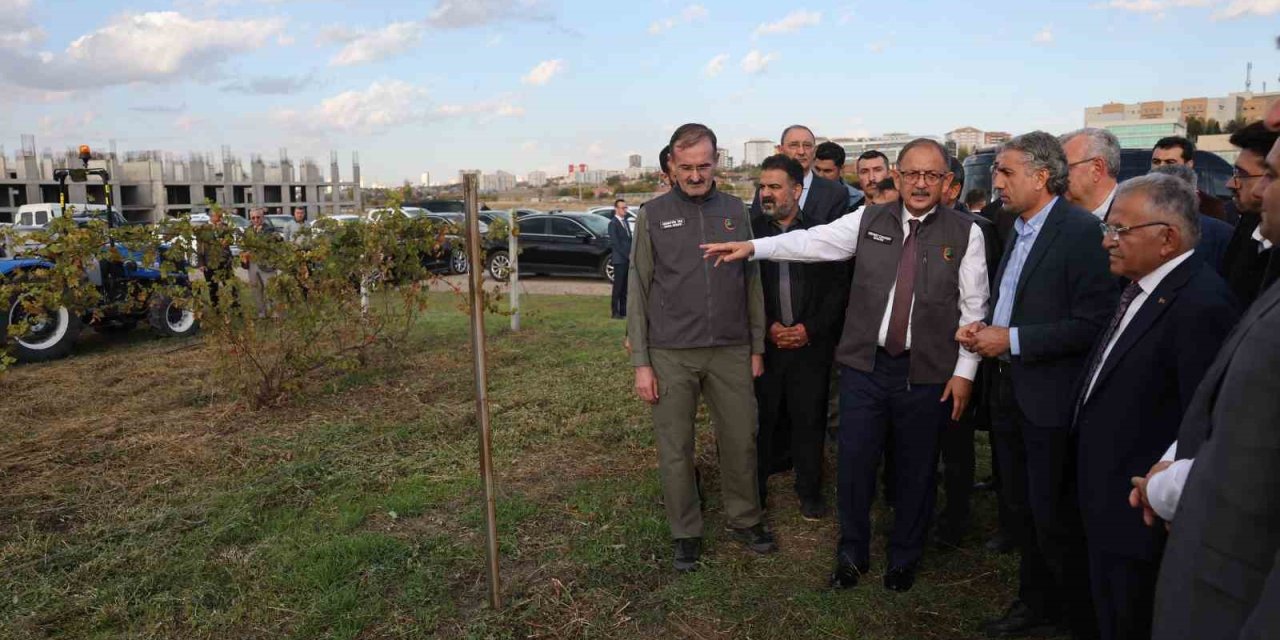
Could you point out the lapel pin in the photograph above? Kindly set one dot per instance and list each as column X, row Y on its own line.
column 1160, row 301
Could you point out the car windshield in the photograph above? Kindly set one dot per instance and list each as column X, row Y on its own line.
column 597, row 224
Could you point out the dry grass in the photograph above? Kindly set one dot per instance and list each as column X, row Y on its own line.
column 138, row 498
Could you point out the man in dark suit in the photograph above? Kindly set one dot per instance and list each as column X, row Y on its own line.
column 1220, row 577
column 1177, row 150
column 1246, row 260
column 1171, row 320
column 1054, row 296
column 619, row 256
column 821, row 200
column 829, row 163
column 804, row 311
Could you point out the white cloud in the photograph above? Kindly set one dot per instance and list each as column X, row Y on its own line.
column 875, row 47
column 1239, row 8
column 795, row 20
column 371, row 46
column 543, row 73
column 716, row 65
column 1045, row 36
column 689, row 14
column 756, row 62
column 269, row 85
column 156, row 47
column 381, row 106
column 485, row 111
column 1138, row 6
column 459, row 14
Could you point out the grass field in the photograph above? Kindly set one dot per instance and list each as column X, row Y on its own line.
column 139, row 500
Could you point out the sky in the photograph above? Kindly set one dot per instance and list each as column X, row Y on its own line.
column 523, row 85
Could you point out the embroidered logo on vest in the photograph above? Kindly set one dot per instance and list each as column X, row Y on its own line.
column 948, row 254
column 728, row 224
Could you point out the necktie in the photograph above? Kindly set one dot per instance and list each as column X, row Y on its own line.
column 895, row 341
column 1126, row 299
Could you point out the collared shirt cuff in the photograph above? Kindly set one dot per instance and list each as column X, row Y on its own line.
column 763, row 249
column 1164, row 490
column 1014, row 348
column 967, row 368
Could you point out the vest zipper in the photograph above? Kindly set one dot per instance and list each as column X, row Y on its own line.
column 706, row 275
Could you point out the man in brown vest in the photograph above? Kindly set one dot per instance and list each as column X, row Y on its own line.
column 922, row 273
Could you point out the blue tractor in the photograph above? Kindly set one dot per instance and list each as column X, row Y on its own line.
column 128, row 291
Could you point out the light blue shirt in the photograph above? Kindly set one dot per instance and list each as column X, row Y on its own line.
column 1028, row 231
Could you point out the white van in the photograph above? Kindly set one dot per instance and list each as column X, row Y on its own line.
column 38, row 216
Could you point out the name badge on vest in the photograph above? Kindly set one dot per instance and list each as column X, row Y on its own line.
column 672, row 224
column 879, row 237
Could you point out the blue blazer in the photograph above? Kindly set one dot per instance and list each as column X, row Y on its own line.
column 1138, row 401
column 1215, row 235
column 619, row 241
column 1063, row 300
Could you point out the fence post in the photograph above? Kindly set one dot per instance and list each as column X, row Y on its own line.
column 475, row 282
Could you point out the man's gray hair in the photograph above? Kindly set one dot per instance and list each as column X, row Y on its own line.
column 1100, row 144
column 1171, row 200
column 1179, row 171
column 1042, row 151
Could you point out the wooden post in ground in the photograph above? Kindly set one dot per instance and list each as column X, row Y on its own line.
column 513, row 277
column 471, row 191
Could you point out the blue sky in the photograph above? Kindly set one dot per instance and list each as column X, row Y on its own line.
column 521, row 85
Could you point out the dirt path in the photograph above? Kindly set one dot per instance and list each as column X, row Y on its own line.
column 539, row 285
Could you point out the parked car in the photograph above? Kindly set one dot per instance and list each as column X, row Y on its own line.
column 607, row 212
column 567, row 243
column 440, row 206
column 411, row 212
column 1212, row 172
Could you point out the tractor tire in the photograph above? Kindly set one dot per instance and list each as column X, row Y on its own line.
column 499, row 265
column 51, row 338
column 171, row 320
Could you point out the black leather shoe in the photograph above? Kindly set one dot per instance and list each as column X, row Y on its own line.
column 900, row 578
column 1000, row 543
column 756, row 538
column 813, row 509
column 847, row 573
column 688, row 550
column 1019, row 621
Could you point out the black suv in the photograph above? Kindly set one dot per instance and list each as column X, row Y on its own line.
column 556, row 243
column 1212, row 172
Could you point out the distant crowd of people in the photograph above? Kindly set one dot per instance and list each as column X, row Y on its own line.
column 1120, row 341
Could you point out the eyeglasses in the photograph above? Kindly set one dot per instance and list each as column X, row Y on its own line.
column 1241, row 176
column 1114, row 231
column 1077, row 162
column 931, row 178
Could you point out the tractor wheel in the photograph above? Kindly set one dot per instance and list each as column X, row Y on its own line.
column 50, row 334
column 170, row 319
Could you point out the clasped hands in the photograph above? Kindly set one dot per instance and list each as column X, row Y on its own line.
column 988, row 342
column 785, row 337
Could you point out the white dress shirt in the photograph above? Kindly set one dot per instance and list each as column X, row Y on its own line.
column 1147, row 284
column 839, row 241
column 1164, row 490
column 804, row 195
column 1101, row 212
column 1263, row 243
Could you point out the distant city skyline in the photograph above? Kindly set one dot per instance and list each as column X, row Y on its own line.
column 518, row 85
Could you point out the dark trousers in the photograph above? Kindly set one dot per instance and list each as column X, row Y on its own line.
column 1037, row 465
column 1124, row 591
column 618, row 306
column 873, row 405
column 792, row 401
column 958, row 464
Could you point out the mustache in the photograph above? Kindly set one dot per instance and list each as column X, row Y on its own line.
column 921, row 192
column 768, row 200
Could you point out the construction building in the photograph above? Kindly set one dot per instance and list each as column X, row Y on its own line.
column 148, row 186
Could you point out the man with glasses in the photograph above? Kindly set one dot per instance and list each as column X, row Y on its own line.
column 1219, row 577
column 922, row 268
column 1246, row 260
column 821, row 200
column 1054, row 295
column 1093, row 162
column 1172, row 318
column 697, row 331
